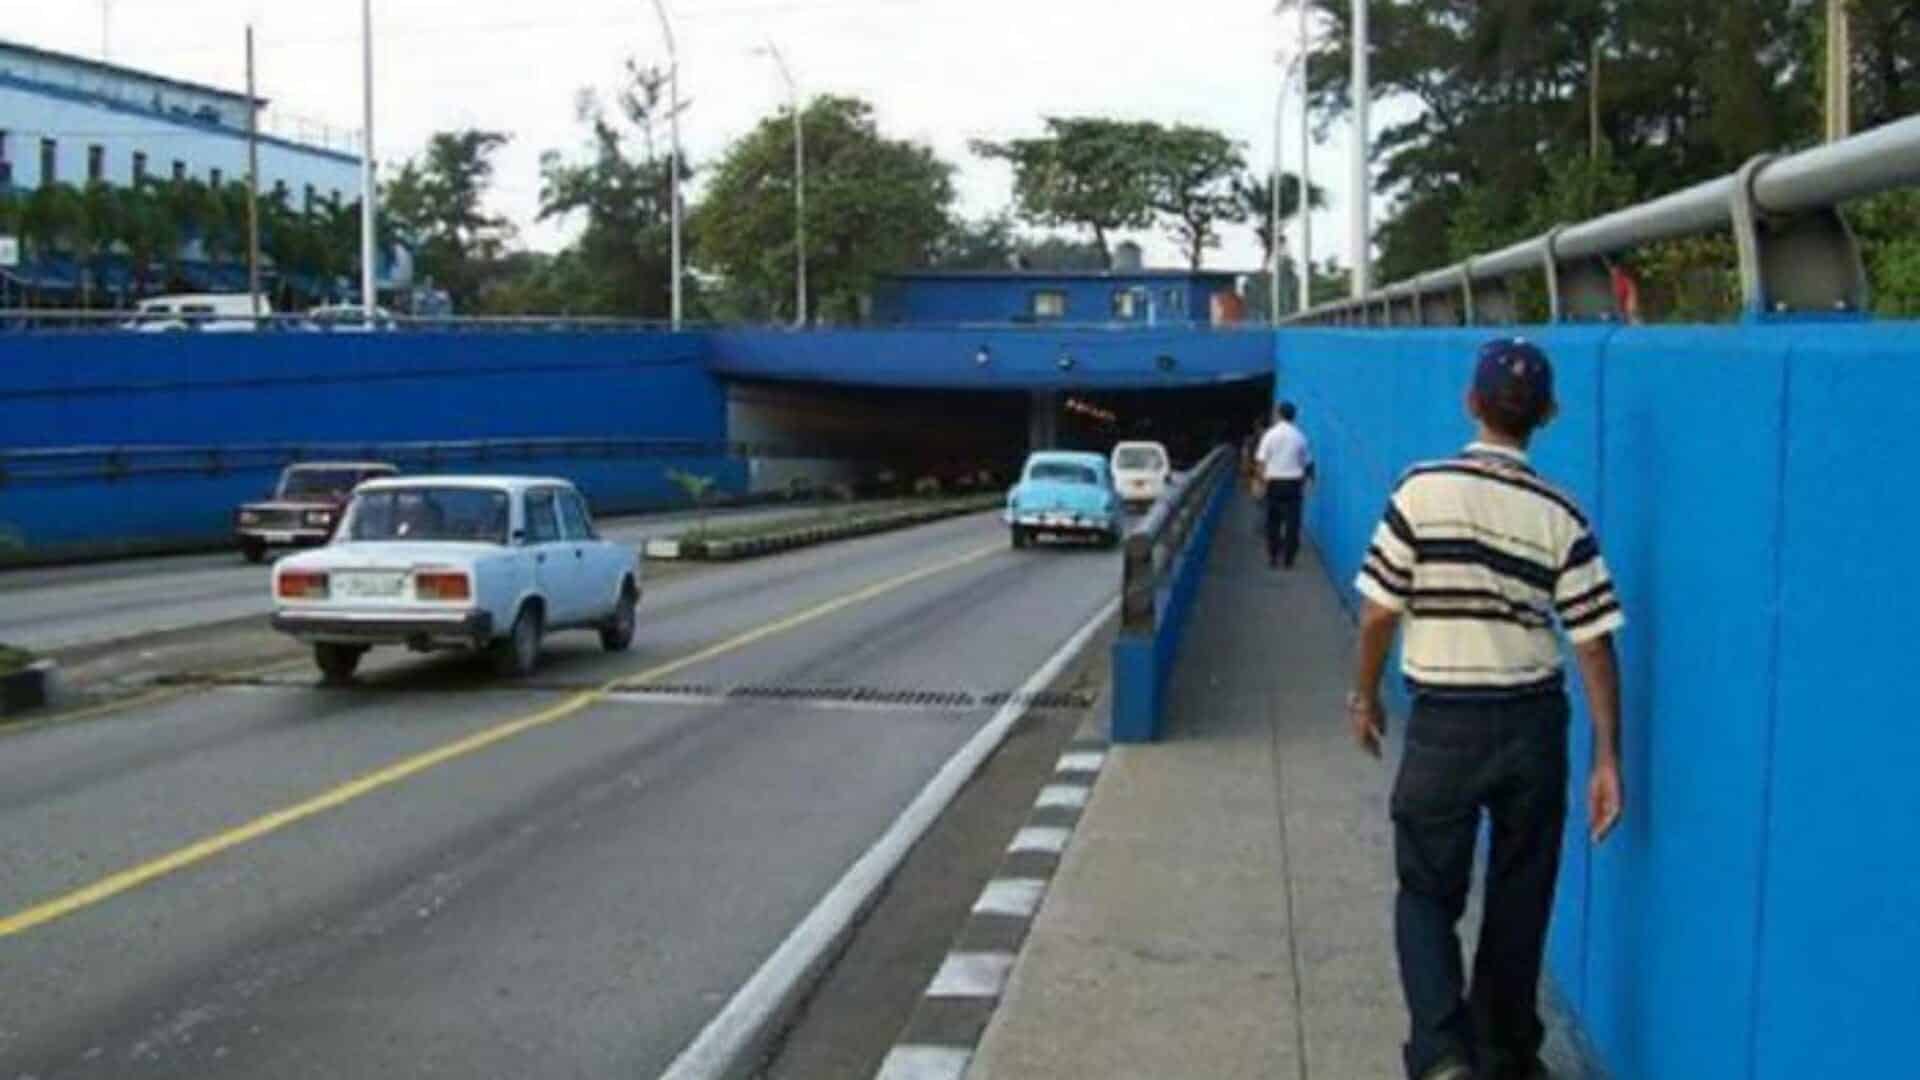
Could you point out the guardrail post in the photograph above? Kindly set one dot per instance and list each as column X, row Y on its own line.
column 1794, row 263
column 1578, row 290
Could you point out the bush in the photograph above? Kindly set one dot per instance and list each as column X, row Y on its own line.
column 12, row 659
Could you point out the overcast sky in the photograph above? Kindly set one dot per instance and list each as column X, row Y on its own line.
column 938, row 71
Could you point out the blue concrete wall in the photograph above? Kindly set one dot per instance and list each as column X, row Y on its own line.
column 1754, row 915
column 1016, row 359
column 230, row 390
column 948, row 299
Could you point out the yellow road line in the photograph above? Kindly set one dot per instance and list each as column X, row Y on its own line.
column 201, row 850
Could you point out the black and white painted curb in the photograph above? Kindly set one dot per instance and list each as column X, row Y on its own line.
column 940, row 1039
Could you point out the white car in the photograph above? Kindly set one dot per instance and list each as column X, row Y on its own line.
column 214, row 313
column 457, row 562
column 1141, row 472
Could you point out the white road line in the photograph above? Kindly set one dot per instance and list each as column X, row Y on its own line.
column 971, row 975
column 742, row 1022
column 1044, row 839
column 1010, row 896
column 1071, row 795
column 925, row 1063
column 1082, row 761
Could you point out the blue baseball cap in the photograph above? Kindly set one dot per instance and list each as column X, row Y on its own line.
column 1515, row 373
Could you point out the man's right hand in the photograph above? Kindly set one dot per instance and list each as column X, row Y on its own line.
column 1605, row 800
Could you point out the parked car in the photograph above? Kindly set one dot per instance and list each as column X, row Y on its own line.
column 208, row 312
column 305, row 506
column 1141, row 472
column 458, row 562
column 1064, row 494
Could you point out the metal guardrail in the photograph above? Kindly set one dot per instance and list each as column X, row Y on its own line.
column 1796, row 253
column 85, row 321
column 1152, row 547
column 85, row 464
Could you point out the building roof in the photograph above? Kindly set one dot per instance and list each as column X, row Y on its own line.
column 127, row 72
column 1056, row 275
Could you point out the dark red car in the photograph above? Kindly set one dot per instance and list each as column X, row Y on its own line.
column 305, row 506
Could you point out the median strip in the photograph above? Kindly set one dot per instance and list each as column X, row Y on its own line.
column 728, row 543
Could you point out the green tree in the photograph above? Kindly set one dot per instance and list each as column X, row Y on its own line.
column 874, row 205
column 1085, row 172
column 437, row 204
column 1254, row 192
column 1191, row 175
column 995, row 244
column 96, row 231
column 623, row 192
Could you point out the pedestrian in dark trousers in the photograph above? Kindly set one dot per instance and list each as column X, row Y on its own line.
column 1286, row 463
column 1478, row 557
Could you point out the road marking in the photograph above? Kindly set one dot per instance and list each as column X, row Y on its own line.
column 1040, row 838
column 733, row 1034
column 1011, row 896
column 199, row 851
column 971, row 975
column 1081, row 761
column 1071, row 796
column 924, row 1063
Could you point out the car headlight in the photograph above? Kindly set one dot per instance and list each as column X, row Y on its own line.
column 248, row 517
column 321, row 518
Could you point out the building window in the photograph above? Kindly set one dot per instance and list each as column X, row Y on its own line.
column 179, row 171
column 280, row 192
column 1126, row 304
column 1176, row 302
column 96, row 163
column 139, row 166
column 216, row 178
column 309, row 199
column 49, row 162
column 1049, row 304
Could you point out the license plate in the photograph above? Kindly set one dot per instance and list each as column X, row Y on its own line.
column 277, row 537
column 1058, row 519
column 363, row 585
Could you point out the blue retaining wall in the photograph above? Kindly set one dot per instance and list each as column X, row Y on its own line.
column 119, row 389
column 1754, row 916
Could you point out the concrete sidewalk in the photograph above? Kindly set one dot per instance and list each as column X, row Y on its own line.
column 1225, row 908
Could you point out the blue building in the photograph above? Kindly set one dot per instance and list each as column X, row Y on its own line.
column 1122, row 297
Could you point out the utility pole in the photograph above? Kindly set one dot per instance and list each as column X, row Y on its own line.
column 1306, row 164
column 1362, row 180
column 1273, row 206
column 253, row 184
column 673, row 104
column 799, row 188
column 1839, row 106
column 369, row 195
column 1593, row 101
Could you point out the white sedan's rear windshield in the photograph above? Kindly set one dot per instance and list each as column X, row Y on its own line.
column 1063, row 472
column 430, row 513
column 1139, row 457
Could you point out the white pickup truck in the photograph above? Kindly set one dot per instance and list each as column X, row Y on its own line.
column 457, row 562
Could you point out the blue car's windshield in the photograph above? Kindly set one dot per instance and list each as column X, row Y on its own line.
column 1063, row 472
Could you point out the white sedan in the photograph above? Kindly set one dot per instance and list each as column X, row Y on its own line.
column 457, row 562
column 1141, row 472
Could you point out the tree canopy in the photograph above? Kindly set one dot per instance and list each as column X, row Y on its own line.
column 874, row 205
column 436, row 205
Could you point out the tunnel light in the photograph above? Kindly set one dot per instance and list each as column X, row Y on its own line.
column 983, row 357
column 1065, row 362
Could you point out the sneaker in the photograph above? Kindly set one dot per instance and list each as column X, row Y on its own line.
column 1448, row 1070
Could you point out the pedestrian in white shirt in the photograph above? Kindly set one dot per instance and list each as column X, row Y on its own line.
column 1286, row 464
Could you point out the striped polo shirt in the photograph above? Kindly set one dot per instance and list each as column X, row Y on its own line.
column 1482, row 556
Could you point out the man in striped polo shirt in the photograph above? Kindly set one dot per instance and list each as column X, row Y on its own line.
column 1478, row 557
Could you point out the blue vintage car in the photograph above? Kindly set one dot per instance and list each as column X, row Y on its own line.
column 1062, row 493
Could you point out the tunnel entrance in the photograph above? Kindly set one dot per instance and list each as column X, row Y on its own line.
column 1188, row 420
column 875, row 440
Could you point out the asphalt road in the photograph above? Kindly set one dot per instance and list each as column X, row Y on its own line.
column 48, row 609
column 434, row 874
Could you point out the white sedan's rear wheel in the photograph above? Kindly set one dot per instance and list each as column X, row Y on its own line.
column 617, row 635
column 337, row 662
column 516, row 655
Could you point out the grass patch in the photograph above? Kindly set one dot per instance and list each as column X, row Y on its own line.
column 12, row 659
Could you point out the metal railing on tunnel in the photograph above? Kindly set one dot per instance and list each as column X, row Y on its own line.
column 1164, row 555
column 337, row 321
column 1796, row 253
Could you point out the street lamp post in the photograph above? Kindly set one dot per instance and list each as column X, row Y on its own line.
column 1275, row 242
column 799, row 187
column 368, row 195
column 1362, row 256
column 673, row 106
column 1306, row 162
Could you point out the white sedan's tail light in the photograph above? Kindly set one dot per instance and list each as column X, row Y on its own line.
column 442, row 585
column 301, row 585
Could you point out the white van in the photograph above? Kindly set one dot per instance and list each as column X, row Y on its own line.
column 214, row 313
column 1141, row 472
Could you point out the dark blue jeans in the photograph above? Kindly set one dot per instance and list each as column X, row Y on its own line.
column 1508, row 760
column 1283, row 519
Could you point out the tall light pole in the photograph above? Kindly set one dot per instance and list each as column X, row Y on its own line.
column 799, row 187
column 1306, row 154
column 1362, row 193
column 1839, row 106
column 368, row 195
column 1276, row 242
column 673, row 157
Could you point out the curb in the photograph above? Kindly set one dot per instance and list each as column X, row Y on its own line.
column 28, row 689
column 808, row 536
column 946, row 1027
